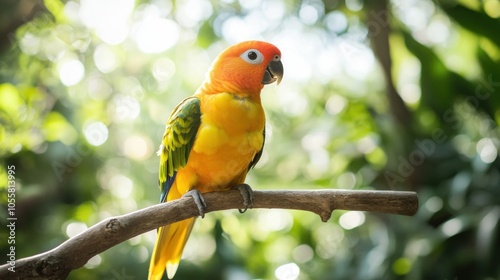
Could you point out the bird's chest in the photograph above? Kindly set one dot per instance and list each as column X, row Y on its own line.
column 230, row 134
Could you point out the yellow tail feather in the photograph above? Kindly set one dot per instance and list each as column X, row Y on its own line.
column 167, row 253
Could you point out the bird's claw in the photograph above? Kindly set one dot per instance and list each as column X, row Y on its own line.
column 247, row 194
column 198, row 200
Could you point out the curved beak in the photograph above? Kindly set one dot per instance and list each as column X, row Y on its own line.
column 274, row 73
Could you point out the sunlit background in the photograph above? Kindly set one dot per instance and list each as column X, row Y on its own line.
column 87, row 86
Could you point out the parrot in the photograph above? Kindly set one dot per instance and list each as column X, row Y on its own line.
column 212, row 139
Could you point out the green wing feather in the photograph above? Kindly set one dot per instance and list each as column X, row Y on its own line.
column 178, row 139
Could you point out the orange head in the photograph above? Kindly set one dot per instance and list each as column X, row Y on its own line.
column 244, row 69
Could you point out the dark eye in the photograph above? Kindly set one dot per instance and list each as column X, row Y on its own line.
column 252, row 56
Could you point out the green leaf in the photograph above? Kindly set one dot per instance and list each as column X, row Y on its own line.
column 11, row 99
column 489, row 83
column 477, row 22
column 206, row 35
column 435, row 80
column 56, row 8
column 57, row 128
column 488, row 65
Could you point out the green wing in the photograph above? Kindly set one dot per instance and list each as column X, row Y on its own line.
column 178, row 139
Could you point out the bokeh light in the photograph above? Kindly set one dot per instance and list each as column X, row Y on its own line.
column 75, row 228
column 352, row 219
column 71, row 71
column 154, row 34
column 289, row 271
column 96, row 133
column 109, row 18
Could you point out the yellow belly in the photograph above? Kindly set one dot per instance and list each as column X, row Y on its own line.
column 230, row 134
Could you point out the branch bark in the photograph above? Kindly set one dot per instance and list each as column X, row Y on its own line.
column 75, row 252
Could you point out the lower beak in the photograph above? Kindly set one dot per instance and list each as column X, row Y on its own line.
column 274, row 73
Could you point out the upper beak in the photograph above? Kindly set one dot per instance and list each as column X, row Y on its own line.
column 274, row 72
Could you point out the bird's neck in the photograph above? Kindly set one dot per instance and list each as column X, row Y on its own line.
column 214, row 86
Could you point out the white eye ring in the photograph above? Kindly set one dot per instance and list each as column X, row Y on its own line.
column 252, row 56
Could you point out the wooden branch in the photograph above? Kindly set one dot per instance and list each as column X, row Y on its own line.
column 76, row 251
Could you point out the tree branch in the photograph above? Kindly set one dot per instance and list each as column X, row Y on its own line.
column 378, row 16
column 76, row 251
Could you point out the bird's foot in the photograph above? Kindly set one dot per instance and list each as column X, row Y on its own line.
column 198, row 200
column 247, row 194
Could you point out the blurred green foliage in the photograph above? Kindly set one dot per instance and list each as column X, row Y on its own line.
column 86, row 87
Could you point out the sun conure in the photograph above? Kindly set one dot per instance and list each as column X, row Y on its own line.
column 213, row 138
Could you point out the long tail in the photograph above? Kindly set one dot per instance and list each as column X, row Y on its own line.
column 167, row 254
